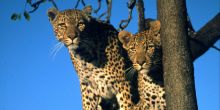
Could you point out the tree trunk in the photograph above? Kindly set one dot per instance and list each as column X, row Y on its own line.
column 177, row 62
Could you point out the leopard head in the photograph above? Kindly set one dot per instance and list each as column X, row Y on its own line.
column 141, row 48
column 70, row 26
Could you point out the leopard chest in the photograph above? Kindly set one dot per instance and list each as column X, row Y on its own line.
column 102, row 80
column 152, row 92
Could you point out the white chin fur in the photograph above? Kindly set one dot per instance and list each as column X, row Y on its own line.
column 144, row 71
column 72, row 47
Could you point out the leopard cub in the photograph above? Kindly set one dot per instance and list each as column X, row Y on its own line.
column 144, row 50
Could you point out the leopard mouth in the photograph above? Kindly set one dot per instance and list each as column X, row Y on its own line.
column 73, row 45
column 141, row 68
column 137, row 67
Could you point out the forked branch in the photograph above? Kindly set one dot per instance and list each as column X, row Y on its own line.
column 99, row 7
column 77, row 3
column 205, row 37
column 108, row 12
column 53, row 3
column 34, row 5
column 124, row 23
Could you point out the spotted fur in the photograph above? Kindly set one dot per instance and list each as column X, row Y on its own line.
column 97, row 56
column 144, row 50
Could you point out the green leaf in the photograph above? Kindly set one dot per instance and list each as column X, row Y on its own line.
column 26, row 15
column 19, row 16
column 14, row 16
column 28, row 1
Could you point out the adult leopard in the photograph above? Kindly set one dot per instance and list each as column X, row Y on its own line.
column 97, row 56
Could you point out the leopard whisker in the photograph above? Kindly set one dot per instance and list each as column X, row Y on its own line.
column 130, row 73
column 56, row 49
column 85, row 38
column 84, row 43
column 129, row 68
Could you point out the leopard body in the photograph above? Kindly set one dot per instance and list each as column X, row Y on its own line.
column 97, row 56
column 144, row 50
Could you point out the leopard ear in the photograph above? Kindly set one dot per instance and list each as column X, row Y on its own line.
column 124, row 37
column 88, row 10
column 52, row 13
column 157, row 41
column 148, row 22
column 155, row 26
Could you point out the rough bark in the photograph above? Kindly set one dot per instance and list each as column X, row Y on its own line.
column 205, row 37
column 177, row 63
column 141, row 17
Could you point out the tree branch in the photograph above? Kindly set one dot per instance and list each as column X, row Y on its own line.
column 108, row 12
column 54, row 4
column 124, row 23
column 99, row 7
column 109, row 3
column 77, row 3
column 216, row 48
column 141, row 17
column 35, row 5
column 205, row 37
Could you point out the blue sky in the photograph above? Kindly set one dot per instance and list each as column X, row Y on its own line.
column 31, row 79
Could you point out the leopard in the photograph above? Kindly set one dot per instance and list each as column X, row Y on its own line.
column 145, row 51
column 98, row 57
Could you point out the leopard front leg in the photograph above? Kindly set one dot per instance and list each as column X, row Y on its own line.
column 90, row 98
column 124, row 96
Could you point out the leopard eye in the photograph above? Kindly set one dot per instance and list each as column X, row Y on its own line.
column 61, row 25
column 131, row 53
column 81, row 25
column 132, row 49
column 150, row 45
column 150, row 49
column 131, row 45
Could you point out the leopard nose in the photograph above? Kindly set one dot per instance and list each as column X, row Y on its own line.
column 71, row 36
column 140, row 61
